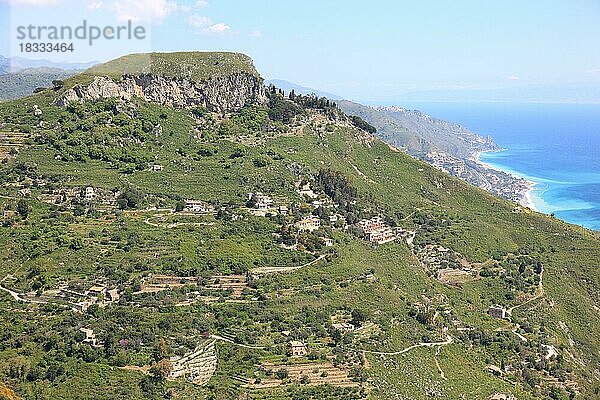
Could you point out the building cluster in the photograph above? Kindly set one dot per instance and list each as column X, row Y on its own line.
column 82, row 300
column 376, row 230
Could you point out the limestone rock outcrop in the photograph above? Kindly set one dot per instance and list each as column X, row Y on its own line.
column 219, row 94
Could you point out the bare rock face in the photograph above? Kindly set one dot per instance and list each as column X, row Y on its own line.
column 220, row 94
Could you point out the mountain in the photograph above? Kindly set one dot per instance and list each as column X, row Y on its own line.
column 418, row 133
column 449, row 147
column 180, row 230
column 4, row 65
column 289, row 86
column 446, row 146
column 588, row 92
column 20, row 84
column 218, row 81
column 15, row 64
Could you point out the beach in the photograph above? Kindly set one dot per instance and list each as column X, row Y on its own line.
column 525, row 194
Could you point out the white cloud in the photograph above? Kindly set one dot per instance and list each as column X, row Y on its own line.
column 202, row 4
column 255, row 34
column 513, row 78
column 219, row 28
column 205, row 25
column 199, row 21
column 593, row 71
column 138, row 10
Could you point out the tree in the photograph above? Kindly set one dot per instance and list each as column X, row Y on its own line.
column 358, row 317
column 179, row 206
column 57, row 84
column 161, row 370
column 282, row 373
column 129, row 198
column 161, row 350
column 23, row 208
column 362, row 124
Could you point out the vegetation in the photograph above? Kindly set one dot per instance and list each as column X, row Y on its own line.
column 371, row 316
column 196, row 66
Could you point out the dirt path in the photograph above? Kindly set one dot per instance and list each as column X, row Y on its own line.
column 17, row 296
column 437, row 363
column 359, row 172
column 539, row 293
column 221, row 338
column 269, row 270
column 176, row 224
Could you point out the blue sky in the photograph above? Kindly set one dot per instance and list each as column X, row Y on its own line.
column 361, row 50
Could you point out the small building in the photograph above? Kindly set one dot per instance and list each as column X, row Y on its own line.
column 197, row 206
column 96, row 290
column 113, row 295
column 499, row 312
column 284, row 210
column 156, row 168
column 297, row 348
column 306, row 191
column 260, row 201
column 89, row 193
column 502, row 396
column 327, row 241
column 368, row 226
column 90, row 337
column 309, row 224
column 317, row 203
column 381, row 236
column 495, row 370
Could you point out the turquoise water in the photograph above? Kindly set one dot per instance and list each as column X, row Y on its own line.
column 557, row 146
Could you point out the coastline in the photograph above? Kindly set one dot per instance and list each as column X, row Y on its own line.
column 526, row 196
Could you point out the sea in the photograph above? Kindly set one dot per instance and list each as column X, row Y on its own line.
column 556, row 146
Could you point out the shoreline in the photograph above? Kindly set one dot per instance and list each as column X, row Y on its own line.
column 526, row 197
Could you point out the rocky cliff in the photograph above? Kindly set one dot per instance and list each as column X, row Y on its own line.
column 220, row 94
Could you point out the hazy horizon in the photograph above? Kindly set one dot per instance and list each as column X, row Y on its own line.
column 364, row 53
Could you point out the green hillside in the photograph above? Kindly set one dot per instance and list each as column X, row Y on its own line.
column 98, row 234
column 195, row 66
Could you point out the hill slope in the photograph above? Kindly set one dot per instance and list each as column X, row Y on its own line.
column 23, row 83
column 276, row 270
column 449, row 147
